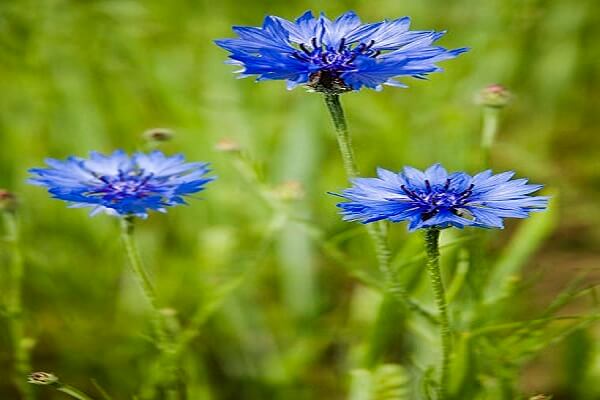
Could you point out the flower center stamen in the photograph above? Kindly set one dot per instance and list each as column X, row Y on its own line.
column 338, row 59
column 125, row 184
column 436, row 198
column 331, row 62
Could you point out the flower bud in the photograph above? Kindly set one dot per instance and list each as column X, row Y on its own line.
column 228, row 145
column 158, row 135
column 42, row 378
column 289, row 191
column 8, row 201
column 494, row 95
column 168, row 312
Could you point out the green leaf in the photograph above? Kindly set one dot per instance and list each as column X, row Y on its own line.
column 462, row 368
column 360, row 385
column 526, row 240
column 390, row 382
column 387, row 382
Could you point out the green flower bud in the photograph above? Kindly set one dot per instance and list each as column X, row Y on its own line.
column 42, row 378
column 494, row 95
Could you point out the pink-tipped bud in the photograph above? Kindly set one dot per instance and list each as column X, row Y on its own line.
column 8, row 201
column 495, row 95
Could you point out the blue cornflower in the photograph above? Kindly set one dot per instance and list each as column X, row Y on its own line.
column 437, row 199
column 120, row 185
column 335, row 56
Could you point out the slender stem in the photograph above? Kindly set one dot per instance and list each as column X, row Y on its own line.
column 433, row 267
column 160, row 324
column 377, row 231
column 343, row 138
column 21, row 345
column 71, row 391
column 249, row 174
column 489, row 129
column 136, row 263
column 101, row 390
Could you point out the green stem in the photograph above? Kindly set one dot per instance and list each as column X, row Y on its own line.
column 136, row 264
column 71, row 391
column 21, row 345
column 343, row 137
column 249, row 174
column 433, row 267
column 377, row 231
column 159, row 319
column 491, row 119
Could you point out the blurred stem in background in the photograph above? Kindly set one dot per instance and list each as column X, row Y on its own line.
column 167, row 373
column 297, row 161
column 432, row 236
column 493, row 99
column 21, row 345
column 248, row 172
column 488, row 133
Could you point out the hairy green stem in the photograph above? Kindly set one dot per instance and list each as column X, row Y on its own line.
column 433, row 267
column 20, row 344
column 377, row 231
column 159, row 319
column 343, row 137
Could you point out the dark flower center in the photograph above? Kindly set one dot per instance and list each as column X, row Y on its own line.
column 334, row 59
column 332, row 62
column 433, row 199
column 125, row 185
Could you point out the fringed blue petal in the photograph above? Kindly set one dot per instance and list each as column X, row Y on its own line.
column 435, row 198
column 118, row 184
column 343, row 50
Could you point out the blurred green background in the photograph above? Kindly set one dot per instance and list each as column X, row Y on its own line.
column 77, row 76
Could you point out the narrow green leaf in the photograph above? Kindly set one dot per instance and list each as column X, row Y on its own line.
column 526, row 240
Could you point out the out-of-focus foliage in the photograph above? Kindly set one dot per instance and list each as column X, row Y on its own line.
column 286, row 294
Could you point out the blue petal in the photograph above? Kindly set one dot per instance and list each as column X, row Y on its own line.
column 292, row 51
column 389, row 35
column 435, row 198
column 121, row 185
column 337, row 30
column 436, row 174
column 303, row 30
